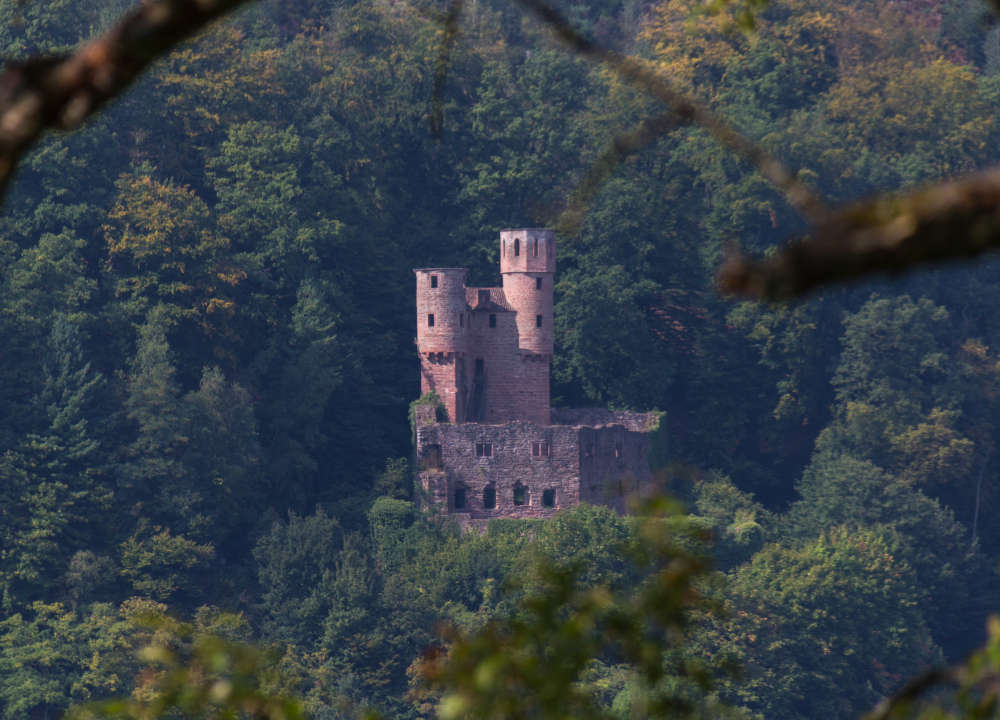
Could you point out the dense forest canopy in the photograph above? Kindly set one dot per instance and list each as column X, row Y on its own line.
column 207, row 322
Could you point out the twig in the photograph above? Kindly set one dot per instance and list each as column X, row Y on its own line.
column 61, row 92
column 884, row 234
column 913, row 689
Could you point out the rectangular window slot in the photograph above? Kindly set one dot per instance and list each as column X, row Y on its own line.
column 539, row 449
column 534, row 252
column 434, row 281
column 460, row 499
column 430, row 319
column 538, row 283
column 549, row 498
column 484, row 449
column 489, row 497
column 538, row 320
column 493, row 321
column 432, row 457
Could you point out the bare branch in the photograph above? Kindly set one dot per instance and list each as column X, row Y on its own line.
column 884, row 234
column 913, row 690
column 687, row 110
column 61, row 92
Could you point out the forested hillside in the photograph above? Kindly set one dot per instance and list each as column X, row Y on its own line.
column 206, row 312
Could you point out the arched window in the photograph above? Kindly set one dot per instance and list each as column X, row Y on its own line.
column 520, row 494
column 460, row 498
column 517, row 246
column 490, row 496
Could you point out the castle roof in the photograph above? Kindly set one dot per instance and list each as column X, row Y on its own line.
column 496, row 299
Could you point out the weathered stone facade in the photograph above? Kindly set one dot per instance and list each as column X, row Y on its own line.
column 486, row 352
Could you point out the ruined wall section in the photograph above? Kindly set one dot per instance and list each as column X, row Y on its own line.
column 526, row 470
column 614, row 465
column 596, row 417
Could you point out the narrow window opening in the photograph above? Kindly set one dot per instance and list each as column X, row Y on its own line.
column 520, row 494
column 538, row 320
column 434, row 281
column 539, row 449
column 484, row 449
column 493, row 321
column 534, row 252
column 432, row 457
column 430, row 319
column 460, row 499
column 517, row 246
column 549, row 498
column 538, row 283
column 489, row 497
column 479, row 367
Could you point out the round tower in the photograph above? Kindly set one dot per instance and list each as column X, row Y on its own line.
column 443, row 336
column 442, row 322
column 528, row 266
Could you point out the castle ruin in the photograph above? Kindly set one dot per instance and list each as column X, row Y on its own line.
column 487, row 352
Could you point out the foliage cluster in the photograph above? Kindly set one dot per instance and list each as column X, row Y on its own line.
column 207, row 295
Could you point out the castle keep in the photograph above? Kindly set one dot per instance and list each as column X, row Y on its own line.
column 487, row 352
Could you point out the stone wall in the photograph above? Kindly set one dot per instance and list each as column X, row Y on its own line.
column 463, row 462
column 516, row 384
column 614, row 465
column 475, row 457
column 596, row 417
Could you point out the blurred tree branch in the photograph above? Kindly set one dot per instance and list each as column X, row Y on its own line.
column 60, row 92
column 886, row 233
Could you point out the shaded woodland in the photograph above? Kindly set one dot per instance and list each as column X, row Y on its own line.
column 206, row 313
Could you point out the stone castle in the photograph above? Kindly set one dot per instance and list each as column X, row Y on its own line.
column 503, row 451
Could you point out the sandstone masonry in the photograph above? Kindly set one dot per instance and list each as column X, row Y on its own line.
column 487, row 353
